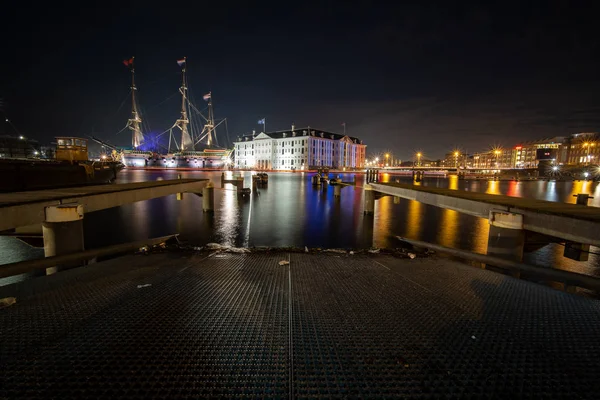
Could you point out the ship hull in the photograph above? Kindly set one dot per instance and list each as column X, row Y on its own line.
column 22, row 175
column 193, row 160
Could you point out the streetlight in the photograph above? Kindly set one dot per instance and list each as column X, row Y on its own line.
column 387, row 159
column 419, row 159
column 376, row 160
column 21, row 137
column 456, row 154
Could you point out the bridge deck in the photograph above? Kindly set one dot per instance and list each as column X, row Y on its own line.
column 542, row 206
column 181, row 325
column 36, row 196
column 27, row 208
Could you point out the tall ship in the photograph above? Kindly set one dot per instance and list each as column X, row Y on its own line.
column 193, row 148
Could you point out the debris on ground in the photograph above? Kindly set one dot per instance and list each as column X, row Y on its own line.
column 284, row 262
column 144, row 285
column 216, row 248
column 7, row 302
column 340, row 251
column 229, row 249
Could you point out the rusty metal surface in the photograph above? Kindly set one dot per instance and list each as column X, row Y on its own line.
column 181, row 325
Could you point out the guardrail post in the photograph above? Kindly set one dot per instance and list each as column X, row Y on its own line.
column 506, row 238
column 63, row 231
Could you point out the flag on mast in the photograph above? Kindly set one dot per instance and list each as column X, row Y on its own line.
column 207, row 96
column 181, row 62
column 261, row 121
column 128, row 63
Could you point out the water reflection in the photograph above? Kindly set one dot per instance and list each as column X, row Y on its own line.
column 290, row 211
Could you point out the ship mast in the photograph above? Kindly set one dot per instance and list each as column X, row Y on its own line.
column 210, row 122
column 134, row 122
column 186, row 141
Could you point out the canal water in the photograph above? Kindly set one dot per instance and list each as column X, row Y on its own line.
column 289, row 211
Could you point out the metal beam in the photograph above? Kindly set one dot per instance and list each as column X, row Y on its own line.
column 566, row 221
column 23, row 267
column 27, row 208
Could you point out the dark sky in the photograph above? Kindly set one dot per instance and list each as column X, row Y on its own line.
column 404, row 78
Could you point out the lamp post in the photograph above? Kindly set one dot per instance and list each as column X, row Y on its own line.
column 387, row 159
column 456, row 154
column 419, row 159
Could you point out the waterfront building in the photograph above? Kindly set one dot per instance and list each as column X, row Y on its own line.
column 18, row 147
column 299, row 149
column 530, row 154
column 581, row 149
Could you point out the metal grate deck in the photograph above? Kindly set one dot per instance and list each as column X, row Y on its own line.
column 326, row 326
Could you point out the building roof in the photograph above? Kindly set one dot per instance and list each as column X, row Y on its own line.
column 299, row 133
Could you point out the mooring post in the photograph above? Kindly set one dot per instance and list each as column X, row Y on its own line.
column 222, row 180
column 506, row 238
column 208, row 198
column 337, row 190
column 62, row 231
column 239, row 183
column 179, row 195
column 369, row 199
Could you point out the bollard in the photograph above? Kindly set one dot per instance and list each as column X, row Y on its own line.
column 208, row 198
column 369, row 199
column 337, row 190
column 63, row 231
column 582, row 198
column 222, row 180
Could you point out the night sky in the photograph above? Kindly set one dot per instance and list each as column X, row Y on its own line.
column 404, row 78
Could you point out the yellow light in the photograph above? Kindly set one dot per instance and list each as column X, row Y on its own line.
column 585, row 144
column 497, row 152
column 456, row 154
column 418, row 154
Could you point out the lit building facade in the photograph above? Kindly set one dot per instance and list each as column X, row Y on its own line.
column 581, row 149
column 299, row 149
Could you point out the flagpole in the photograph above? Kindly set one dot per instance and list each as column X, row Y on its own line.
column 265, row 124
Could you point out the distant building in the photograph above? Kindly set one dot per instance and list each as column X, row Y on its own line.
column 299, row 149
column 581, row 149
column 18, row 147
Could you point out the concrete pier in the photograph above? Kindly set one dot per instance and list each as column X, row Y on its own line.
column 506, row 238
column 369, row 206
column 62, row 231
column 208, row 198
